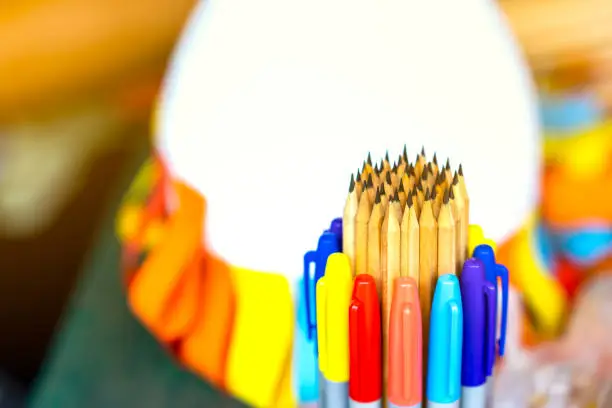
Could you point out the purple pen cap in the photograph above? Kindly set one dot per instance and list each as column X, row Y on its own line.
column 478, row 296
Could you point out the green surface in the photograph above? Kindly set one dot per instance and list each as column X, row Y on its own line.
column 102, row 357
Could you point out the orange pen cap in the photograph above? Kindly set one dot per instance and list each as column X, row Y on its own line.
column 405, row 345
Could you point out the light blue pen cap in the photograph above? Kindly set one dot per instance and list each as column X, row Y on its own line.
column 305, row 367
column 445, row 341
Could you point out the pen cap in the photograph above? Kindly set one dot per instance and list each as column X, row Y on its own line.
column 475, row 291
column 305, row 368
column 486, row 255
column 338, row 285
column 336, row 228
column 404, row 384
column 365, row 345
column 327, row 245
column 445, row 340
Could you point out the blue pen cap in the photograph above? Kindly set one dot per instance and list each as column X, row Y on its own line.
column 478, row 296
column 336, row 228
column 306, row 378
column 328, row 244
column 445, row 340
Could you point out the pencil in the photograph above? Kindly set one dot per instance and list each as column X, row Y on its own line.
column 446, row 238
column 459, row 258
column 428, row 268
column 374, row 245
column 388, row 184
column 462, row 235
column 420, row 162
column 358, row 185
column 370, row 188
column 409, row 241
column 391, row 270
column 361, row 234
column 434, row 164
column 466, row 205
column 401, row 193
column 348, row 224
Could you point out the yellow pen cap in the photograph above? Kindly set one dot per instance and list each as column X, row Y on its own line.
column 475, row 238
column 334, row 342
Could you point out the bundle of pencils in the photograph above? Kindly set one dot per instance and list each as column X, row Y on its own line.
column 406, row 219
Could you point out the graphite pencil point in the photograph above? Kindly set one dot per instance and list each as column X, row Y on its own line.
column 445, row 197
column 401, row 187
column 460, row 170
column 447, row 167
column 369, row 159
column 370, row 182
column 427, row 197
column 435, row 159
column 352, row 184
column 377, row 198
column 455, row 179
column 388, row 178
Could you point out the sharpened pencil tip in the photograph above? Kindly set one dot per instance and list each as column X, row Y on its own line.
column 455, row 179
column 427, row 197
column 352, row 184
column 369, row 159
column 420, row 187
column 460, row 170
column 387, row 156
column 388, row 178
column 358, row 175
column 377, row 198
column 451, row 194
column 447, row 167
column 446, row 197
column 409, row 200
column 396, row 196
column 435, row 159
column 423, row 151
column 434, row 194
column 370, row 182
column 401, row 187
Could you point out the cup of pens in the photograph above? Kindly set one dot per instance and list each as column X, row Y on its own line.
column 399, row 299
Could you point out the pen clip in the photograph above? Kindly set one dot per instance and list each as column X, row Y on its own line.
column 501, row 272
column 455, row 338
column 490, row 311
column 411, row 352
column 321, row 296
column 310, row 258
column 356, row 325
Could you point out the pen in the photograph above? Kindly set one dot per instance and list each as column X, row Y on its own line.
column 478, row 297
column 306, row 368
column 445, row 339
column 333, row 302
column 327, row 245
column 336, row 228
column 365, row 383
column 405, row 383
column 486, row 254
column 493, row 273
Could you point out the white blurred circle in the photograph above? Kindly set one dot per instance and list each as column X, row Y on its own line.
column 269, row 106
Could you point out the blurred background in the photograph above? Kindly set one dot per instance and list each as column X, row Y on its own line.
column 77, row 85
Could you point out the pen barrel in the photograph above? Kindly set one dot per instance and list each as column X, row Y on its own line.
column 336, row 394
column 454, row 404
column 322, row 400
column 474, row 397
column 391, row 405
column 373, row 404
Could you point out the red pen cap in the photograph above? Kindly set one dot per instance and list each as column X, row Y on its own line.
column 405, row 345
column 365, row 383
